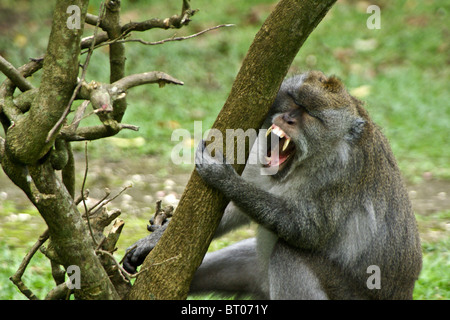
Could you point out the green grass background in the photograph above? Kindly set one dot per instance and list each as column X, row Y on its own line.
column 401, row 71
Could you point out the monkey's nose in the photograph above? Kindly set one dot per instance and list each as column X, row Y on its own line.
column 288, row 119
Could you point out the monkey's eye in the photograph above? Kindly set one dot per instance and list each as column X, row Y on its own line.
column 303, row 108
column 312, row 114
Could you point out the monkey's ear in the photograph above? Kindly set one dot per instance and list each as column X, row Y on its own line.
column 333, row 84
column 356, row 129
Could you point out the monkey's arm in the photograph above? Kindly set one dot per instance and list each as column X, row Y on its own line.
column 233, row 218
column 286, row 218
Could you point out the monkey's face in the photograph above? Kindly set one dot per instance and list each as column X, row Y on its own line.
column 312, row 116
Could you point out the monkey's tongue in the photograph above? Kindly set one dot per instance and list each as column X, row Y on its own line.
column 277, row 161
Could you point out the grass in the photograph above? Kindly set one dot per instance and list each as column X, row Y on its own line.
column 401, row 71
column 38, row 276
column 433, row 283
column 434, row 280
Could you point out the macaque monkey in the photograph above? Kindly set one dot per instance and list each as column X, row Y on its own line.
column 335, row 211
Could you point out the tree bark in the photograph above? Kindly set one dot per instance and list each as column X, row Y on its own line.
column 172, row 264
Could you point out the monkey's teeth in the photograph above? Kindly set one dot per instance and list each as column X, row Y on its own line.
column 276, row 130
column 286, row 144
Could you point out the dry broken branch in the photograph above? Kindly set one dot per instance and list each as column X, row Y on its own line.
column 160, row 217
column 102, row 96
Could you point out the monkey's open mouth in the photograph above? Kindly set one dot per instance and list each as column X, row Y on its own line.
column 284, row 147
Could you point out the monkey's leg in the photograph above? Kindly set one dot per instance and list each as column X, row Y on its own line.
column 233, row 269
column 291, row 276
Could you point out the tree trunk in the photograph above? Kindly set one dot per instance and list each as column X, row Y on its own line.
column 25, row 148
column 172, row 264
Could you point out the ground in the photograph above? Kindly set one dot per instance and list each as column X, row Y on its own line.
column 152, row 180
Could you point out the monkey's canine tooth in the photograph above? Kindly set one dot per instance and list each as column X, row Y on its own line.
column 286, row 144
column 269, row 130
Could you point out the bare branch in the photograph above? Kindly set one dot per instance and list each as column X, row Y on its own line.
column 95, row 132
column 118, row 40
column 93, row 20
column 14, row 75
column 143, row 78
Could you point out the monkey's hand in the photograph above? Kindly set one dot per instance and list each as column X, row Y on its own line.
column 213, row 170
column 137, row 252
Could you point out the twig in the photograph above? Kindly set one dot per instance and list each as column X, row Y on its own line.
column 79, row 115
column 107, row 193
column 117, row 195
column 124, row 274
column 77, row 88
column 83, row 198
column 153, row 264
column 119, row 40
column 167, row 260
